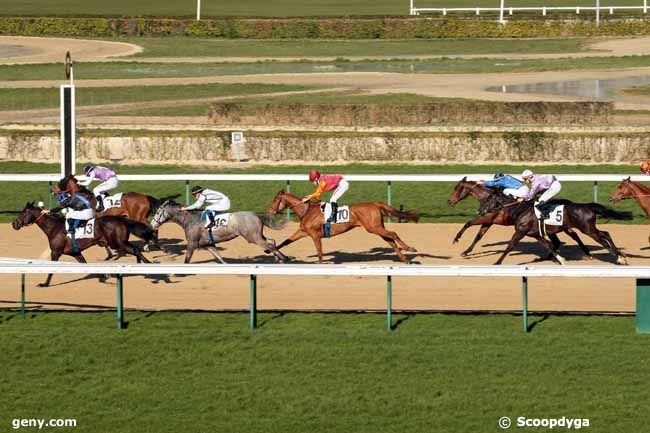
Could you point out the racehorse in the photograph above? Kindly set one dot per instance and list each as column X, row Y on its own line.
column 134, row 206
column 465, row 188
column 368, row 215
column 576, row 215
column 112, row 231
column 248, row 225
column 628, row 189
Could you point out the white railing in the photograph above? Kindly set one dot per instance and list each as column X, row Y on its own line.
column 641, row 273
column 543, row 9
column 287, row 178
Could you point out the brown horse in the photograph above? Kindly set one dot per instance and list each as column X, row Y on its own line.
column 465, row 188
column 367, row 215
column 110, row 231
column 628, row 189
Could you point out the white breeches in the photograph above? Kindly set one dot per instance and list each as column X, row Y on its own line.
column 340, row 190
column 223, row 205
column 85, row 214
column 517, row 193
column 552, row 190
column 107, row 185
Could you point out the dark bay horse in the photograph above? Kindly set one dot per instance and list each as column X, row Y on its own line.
column 576, row 215
column 110, row 231
column 367, row 215
column 134, row 206
column 466, row 188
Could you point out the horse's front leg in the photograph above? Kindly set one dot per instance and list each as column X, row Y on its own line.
column 319, row 246
column 54, row 256
column 190, row 251
column 546, row 244
column 484, row 228
column 299, row 234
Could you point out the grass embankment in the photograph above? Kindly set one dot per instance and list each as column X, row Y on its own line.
column 193, row 372
column 254, row 8
column 430, row 199
column 636, row 90
column 33, row 98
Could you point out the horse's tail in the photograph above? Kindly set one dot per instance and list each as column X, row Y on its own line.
column 610, row 213
column 391, row 211
column 141, row 230
column 272, row 223
column 154, row 203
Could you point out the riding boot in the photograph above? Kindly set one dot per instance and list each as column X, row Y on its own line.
column 543, row 209
column 335, row 209
column 210, row 225
column 100, row 203
column 72, row 227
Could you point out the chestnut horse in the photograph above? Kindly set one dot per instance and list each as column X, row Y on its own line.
column 628, row 189
column 110, row 231
column 367, row 215
column 465, row 188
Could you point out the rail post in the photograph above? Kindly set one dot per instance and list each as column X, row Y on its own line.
column 187, row 193
column 252, row 322
column 22, row 296
column 401, row 209
column 524, row 296
column 49, row 194
column 389, row 302
column 595, row 191
column 389, row 195
column 120, row 304
column 643, row 306
column 288, row 211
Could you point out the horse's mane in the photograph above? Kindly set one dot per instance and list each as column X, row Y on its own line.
column 645, row 189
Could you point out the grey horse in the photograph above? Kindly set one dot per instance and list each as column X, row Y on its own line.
column 248, row 225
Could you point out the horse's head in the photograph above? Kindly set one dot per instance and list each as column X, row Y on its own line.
column 460, row 192
column 279, row 203
column 28, row 216
column 163, row 214
column 624, row 190
column 66, row 184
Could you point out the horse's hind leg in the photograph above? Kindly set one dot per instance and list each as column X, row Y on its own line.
column 381, row 231
column 54, row 256
column 135, row 251
column 604, row 238
column 573, row 235
column 268, row 245
column 518, row 236
column 392, row 243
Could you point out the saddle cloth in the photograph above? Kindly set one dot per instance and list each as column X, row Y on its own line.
column 112, row 201
column 342, row 216
column 556, row 217
column 220, row 219
column 86, row 231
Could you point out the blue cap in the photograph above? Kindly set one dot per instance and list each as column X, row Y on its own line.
column 62, row 196
column 87, row 168
column 499, row 175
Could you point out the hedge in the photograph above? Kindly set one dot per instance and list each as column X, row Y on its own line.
column 314, row 28
column 458, row 112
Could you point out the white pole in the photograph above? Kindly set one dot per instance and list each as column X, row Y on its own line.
column 501, row 12
column 198, row 10
column 597, row 13
column 645, row 6
column 411, row 7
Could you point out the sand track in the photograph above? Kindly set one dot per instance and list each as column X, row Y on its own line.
column 340, row 293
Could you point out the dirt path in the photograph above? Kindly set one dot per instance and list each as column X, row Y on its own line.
column 336, row 293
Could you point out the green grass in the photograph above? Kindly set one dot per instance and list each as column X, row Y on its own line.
column 119, row 70
column 197, row 47
column 31, row 98
column 636, row 90
column 252, row 7
column 430, row 199
column 200, row 372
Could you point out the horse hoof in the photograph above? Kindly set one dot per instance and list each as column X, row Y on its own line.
column 42, row 285
column 267, row 251
column 464, row 254
column 589, row 257
column 455, row 241
column 621, row 261
column 561, row 260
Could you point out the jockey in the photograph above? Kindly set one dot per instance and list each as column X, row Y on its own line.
column 547, row 183
column 108, row 178
column 79, row 210
column 511, row 187
column 645, row 167
column 328, row 182
column 217, row 202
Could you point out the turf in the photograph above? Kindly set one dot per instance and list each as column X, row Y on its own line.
column 636, row 90
column 261, row 8
column 199, row 372
column 198, row 47
column 430, row 199
column 33, row 98
column 117, row 70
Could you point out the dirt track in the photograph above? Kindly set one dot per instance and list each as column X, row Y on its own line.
column 338, row 293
